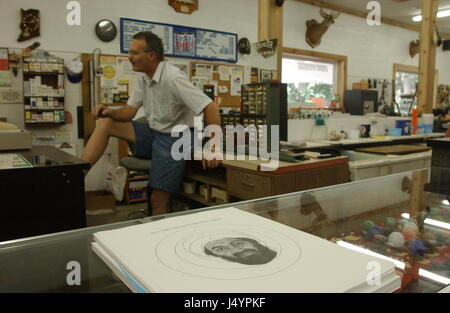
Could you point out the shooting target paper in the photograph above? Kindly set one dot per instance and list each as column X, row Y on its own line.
column 229, row 250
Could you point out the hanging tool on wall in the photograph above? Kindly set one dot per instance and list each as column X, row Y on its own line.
column 93, row 66
column 382, row 104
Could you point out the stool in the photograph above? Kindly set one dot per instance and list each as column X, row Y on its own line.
column 132, row 163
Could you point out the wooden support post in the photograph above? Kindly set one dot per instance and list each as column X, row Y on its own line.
column 427, row 62
column 270, row 26
column 276, row 31
column 417, row 201
column 263, row 20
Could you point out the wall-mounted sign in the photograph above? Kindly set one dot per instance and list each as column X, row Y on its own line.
column 267, row 48
column 181, row 41
column 184, row 6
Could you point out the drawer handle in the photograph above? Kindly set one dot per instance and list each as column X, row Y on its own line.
column 248, row 185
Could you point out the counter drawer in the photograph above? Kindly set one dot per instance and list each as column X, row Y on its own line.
column 245, row 185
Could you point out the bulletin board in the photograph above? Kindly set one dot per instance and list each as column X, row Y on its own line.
column 116, row 79
column 227, row 80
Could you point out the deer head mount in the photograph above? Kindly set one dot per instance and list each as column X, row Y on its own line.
column 414, row 47
column 315, row 30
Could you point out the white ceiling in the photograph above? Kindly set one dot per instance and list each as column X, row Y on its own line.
column 401, row 11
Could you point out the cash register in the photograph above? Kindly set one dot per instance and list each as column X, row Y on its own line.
column 13, row 138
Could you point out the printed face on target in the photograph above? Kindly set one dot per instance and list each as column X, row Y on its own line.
column 241, row 250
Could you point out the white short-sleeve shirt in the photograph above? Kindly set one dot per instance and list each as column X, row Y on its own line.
column 168, row 98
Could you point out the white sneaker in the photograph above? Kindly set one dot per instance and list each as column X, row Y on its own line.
column 115, row 182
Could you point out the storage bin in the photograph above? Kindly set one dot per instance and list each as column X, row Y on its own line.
column 395, row 132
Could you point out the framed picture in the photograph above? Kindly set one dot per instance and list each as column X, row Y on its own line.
column 265, row 75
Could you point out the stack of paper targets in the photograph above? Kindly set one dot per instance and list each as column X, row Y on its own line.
column 229, row 250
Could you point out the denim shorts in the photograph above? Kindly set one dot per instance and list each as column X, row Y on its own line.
column 166, row 172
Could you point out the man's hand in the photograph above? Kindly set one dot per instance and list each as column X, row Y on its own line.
column 212, row 159
column 211, row 163
column 102, row 111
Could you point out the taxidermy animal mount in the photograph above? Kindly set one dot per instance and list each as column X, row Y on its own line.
column 315, row 30
column 414, row 47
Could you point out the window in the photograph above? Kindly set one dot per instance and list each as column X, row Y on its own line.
column 313, row 79
column 406, row 83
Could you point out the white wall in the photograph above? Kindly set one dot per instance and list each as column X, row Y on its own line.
column 371, row 50
column 57, row 37
column 235, row 16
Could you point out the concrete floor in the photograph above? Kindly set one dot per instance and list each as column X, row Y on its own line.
column 122, row 212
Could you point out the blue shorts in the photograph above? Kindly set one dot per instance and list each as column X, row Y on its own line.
column 166, row 173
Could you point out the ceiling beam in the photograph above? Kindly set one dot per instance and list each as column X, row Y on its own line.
column 362, row 14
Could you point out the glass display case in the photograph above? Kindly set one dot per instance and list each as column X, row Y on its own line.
column 391, row 217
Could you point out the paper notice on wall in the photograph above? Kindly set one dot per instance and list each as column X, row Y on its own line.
column 223, row 89
column 107, row 59
column 123, row 86
column 236, row 81
column 224, row 73
column 199, row 82
column 108, row 83
column 247, row 74
column 204, row 71
column 10, row 96
column 182, row 65
column 5, row 79
column 215, row 83
column 109, row 77
column 4, row 63
column 124, row 67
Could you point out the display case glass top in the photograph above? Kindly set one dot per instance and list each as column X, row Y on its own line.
column 391, row 217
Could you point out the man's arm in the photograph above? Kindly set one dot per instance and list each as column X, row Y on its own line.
column 125, row 114
column 212, row 117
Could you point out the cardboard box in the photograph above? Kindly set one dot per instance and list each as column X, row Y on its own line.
column 220, row 194
column 100, row 200
column 360, row 86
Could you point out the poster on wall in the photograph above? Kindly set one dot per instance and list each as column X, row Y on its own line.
column 216, row 45
column 182, row 41
column 130, row 27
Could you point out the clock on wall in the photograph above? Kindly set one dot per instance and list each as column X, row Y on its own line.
column 184, row 6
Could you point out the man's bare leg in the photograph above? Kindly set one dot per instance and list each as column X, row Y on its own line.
column 160, row 201
column 98, row 142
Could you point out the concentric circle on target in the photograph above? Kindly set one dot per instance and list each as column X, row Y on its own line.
column 184, row 251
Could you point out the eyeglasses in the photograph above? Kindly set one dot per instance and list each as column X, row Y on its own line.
column 133, row 53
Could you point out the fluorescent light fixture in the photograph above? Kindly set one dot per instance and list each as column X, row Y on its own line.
column 440, row 14
column 398, row 264
column 429, row 221
column 350, row 246
column 435, row 277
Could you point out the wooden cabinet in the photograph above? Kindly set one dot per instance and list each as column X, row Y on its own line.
column 247, row 185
